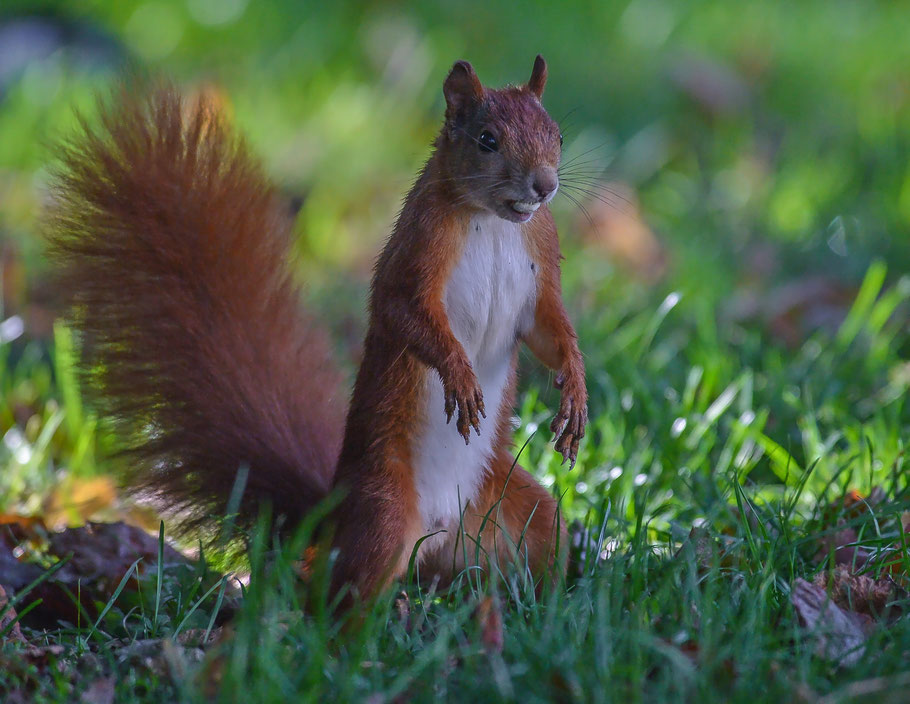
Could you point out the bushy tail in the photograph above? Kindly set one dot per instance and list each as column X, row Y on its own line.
column 172, row 251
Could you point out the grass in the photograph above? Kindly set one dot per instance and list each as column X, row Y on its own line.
column 649, row 613
column 753, row 386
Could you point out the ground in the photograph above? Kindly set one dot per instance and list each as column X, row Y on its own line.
column 736, row 266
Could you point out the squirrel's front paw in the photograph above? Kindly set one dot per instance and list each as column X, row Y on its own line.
column 462, row 391
column 569, row 423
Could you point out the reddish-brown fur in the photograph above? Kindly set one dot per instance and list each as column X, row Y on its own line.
column 172, row 252
column 172, row 248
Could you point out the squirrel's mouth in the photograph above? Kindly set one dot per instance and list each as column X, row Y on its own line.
column 522, row 210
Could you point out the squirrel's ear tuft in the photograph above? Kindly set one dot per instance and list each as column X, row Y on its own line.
column 462, row 90
column 538, row 76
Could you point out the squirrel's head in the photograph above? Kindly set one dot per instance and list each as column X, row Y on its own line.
column 502, row 148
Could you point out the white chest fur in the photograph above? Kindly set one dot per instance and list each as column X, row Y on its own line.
column 490, row 300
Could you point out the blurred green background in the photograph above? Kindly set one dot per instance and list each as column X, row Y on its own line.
column 755, row 164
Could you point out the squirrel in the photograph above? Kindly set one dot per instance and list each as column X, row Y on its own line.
column 171, row 247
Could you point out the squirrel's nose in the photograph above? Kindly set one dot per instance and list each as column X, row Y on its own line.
column 545, row 182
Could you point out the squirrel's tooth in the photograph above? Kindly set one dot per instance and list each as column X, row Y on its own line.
column 523, row 207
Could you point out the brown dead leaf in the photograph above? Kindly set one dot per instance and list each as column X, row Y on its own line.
column 843, row 544
column 10, row 616
column 17, row 530
column 861, row 593
column 98, row 554
column 23, row 522
column 77, row 500
column 26, row 654
column 840, row 635
column 614, row 224
column 106, row 550
column 489, row 617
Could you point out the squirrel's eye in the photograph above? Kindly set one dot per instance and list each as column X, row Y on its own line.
column 560, row 139
column 487, row 142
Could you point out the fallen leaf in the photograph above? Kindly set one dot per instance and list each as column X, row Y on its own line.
column 98, row 554
column 861, row 593
column 8, row 617
column 845, row 545
column 840, row 635
column 25, row 522
column 26, row 653
column 106, row 550
column 17, row 532
column 77, row 500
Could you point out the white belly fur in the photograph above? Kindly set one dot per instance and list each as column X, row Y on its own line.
column 490, row 300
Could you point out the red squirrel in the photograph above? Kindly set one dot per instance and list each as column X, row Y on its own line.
column 172, row 249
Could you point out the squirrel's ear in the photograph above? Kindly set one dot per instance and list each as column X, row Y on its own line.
column 538, row 76
column 462, row 89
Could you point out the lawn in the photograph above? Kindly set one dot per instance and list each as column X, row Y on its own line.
column 737, row 265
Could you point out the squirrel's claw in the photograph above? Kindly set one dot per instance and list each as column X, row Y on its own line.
column 569, row 428
column 467, row 398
